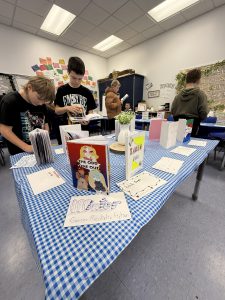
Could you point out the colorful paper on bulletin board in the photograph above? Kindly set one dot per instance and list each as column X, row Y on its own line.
column 65, row 77
column 83, row 81
column 64, row 67
column 35, row 68
column 49, row 60
column 43, row 61
column 43, row 67
column 39, row 73
column 93, row 83
column 85, row 77
column 88, row 82
column 60, row 71
column 86, row 72
column 61, row 61
column 49, row 67
column 56, row 65
column 90, row 78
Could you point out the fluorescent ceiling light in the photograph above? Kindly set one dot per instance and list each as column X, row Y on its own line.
column 57, row 20
column 168, row 8
column 110, row 42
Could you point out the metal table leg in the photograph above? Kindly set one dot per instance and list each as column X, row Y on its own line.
column 223, row 161
column 198, row 179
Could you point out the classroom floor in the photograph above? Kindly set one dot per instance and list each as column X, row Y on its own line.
column 178, row 255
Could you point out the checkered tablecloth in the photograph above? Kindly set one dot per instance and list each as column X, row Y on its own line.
column 72, row 258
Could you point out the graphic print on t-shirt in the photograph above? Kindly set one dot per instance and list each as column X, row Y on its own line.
column 31, row 121
column 71, row 99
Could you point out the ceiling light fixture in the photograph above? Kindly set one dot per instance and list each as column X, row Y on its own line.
column 57, row 20
column 110, row 42
column 168, row 8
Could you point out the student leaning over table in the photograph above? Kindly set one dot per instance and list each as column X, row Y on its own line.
column 23, row 111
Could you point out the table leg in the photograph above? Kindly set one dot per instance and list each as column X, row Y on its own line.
column 223, row 161
column 198, row 179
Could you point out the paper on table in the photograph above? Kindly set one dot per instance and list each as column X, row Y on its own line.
column 183, row 150
column 168, row 165
column 141, row 185
column 59, row 151
column 197, row 143
column 44, row 180
column 92, row 209
column 26, row 161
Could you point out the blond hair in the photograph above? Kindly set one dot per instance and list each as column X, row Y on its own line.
column 115, row 83
column 43, row 86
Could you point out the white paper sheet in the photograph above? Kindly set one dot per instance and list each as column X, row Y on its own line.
column 26, row 161
column 93, row 209
column 59, row 151
column 168, row 165
column 141, row 185
column 44, row 180
column 197, row 143
column 186, row 151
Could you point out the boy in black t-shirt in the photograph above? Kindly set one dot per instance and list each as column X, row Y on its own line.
column 72, row 97
column 23, row 111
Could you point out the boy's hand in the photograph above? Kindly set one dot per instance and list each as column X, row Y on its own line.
column 75, row 108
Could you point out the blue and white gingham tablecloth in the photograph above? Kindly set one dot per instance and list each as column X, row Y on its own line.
column 71, row 259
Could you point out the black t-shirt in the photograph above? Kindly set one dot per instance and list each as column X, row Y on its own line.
column 22, row 116
column 67, row 95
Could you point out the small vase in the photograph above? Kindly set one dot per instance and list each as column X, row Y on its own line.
column 124, row 132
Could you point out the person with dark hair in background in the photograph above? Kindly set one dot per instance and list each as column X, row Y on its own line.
column 23, row 111
column 191, row 102
column 127, row 107
column 73, row 97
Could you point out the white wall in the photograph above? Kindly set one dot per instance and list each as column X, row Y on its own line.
column 196, row 43
column 20, row 50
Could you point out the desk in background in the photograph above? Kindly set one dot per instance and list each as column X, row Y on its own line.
column 206, row 128
column 71, row 259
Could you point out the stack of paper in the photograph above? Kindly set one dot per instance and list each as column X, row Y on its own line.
column 41, row 144
column 26, row 161
column 186, row 151
column 92, row 209
column 197, row 143
column 168, row 165
column 44, row 180
column 141, row 185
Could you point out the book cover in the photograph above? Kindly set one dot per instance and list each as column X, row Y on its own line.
column 89, row 162
column 168, row 134
column 70, row 132
column 155, row 128
column 134, row 153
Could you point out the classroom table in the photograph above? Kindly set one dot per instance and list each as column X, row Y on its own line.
column 206, row 128
column 71, row 259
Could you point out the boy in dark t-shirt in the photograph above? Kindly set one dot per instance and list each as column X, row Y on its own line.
column 73, row 97
column 23, row 111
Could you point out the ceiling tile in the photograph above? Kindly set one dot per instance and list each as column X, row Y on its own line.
column 126, row 33
column 172, row 22
column 24, row 27
column 97, row 35
column 72, row 36
column 94, row 14
column 74, row 7
column 197, row 9
column 27, row 18
column 113, row 51
column 128, row 12
column 153, row 31
column 6, row 9
column 65, row 41
column 86, row 41
column 11, row 1
column 81, row 26
column 111, row 6
column 40, row 7
column 139, row 38
column 219, row 2
column 142, row 23
column 81, row 47
column 111, row 25
column 47, row 35
column 4, row 20
column 146, row 5
column 123, row 46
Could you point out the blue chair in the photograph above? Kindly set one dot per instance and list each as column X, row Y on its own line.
column 170, row 118
column 210, row 120
column 221, row 146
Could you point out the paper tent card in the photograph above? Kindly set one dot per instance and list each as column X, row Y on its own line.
column 168, row 134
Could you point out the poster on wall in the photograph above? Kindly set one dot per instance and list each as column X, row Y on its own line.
column 153, row 94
